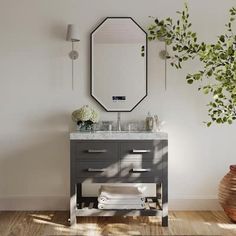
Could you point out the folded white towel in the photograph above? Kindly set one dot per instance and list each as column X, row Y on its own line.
column 122, row 192
column 105, row 200
column 121, row 206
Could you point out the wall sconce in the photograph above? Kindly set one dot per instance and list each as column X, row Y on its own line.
column 73, row 36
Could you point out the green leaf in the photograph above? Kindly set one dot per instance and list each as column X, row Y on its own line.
column 197, row 76
column 209, row 124
column 222, row 38
column 190, row 81
column 209, row 73
column 206, row 90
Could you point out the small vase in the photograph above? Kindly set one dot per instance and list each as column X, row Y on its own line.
column 227, row 193
column 83, row 127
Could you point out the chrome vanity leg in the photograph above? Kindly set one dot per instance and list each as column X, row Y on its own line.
column 164, row 205
column 73, row 204
column 164, row 184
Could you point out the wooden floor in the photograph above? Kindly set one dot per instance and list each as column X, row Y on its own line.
column 55, row 223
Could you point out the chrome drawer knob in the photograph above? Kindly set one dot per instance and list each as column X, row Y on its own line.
column 97, row 150
column 140, row 170
column 141, row 151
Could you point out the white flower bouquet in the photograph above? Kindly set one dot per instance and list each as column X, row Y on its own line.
column 85, row 117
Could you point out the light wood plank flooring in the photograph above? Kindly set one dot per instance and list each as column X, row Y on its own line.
column 55, row 223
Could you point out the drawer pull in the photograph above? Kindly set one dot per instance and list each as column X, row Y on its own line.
column 97, row 150
column 96, row 170
column 141, row 151
column 140, row 170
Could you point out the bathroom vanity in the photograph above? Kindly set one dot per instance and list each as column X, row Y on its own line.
column 118, row 157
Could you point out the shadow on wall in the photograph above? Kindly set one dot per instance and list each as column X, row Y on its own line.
column 58, row 31
column 37, row 160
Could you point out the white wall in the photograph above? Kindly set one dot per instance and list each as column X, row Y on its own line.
column 36, row 100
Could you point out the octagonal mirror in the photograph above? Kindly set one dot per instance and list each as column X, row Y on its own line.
column 118, row 64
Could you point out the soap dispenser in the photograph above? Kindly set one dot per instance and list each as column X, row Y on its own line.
column 149, row 122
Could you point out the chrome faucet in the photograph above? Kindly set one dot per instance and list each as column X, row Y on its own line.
column 118, row 127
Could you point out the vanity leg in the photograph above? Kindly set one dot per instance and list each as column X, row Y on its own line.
column 164, row 222
column 73, row 204
column 79, row 193
column 164, row 183
column 164, row 205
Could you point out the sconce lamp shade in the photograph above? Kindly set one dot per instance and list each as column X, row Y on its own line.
column 72, row 33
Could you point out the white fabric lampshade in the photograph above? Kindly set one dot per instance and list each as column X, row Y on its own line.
column 72, row 33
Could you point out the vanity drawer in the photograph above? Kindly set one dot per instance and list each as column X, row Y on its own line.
column 96, row 169
column 141, row 151
column 96, row 151
column 140, row 170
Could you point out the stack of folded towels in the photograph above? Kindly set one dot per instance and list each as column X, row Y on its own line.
column 120, row 197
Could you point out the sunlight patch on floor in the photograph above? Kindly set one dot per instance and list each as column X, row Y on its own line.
column 135, row 226
column 227, row 226
column 43, row 217
column 120, row 229
column 66, row 230
column 45, row 222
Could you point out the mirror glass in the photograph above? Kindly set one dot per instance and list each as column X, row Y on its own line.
column 119, row 64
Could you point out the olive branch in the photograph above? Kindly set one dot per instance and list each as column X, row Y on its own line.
column 217, row 77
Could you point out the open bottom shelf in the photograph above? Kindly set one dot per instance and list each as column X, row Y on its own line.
column 89, row 207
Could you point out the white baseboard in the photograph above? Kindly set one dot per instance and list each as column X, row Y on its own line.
column 57, row 203
column 194, row 205
column 35, row 203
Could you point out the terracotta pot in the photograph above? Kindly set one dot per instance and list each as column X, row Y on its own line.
column 227, row 193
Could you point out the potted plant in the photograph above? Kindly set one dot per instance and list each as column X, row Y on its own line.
column 85, row 118
column 217, row 77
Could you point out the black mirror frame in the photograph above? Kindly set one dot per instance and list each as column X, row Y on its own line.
column 91, row 66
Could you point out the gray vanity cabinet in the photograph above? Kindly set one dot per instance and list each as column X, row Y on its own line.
column 118, row 161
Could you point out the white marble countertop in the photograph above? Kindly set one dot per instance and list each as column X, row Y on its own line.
column 116, row 135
